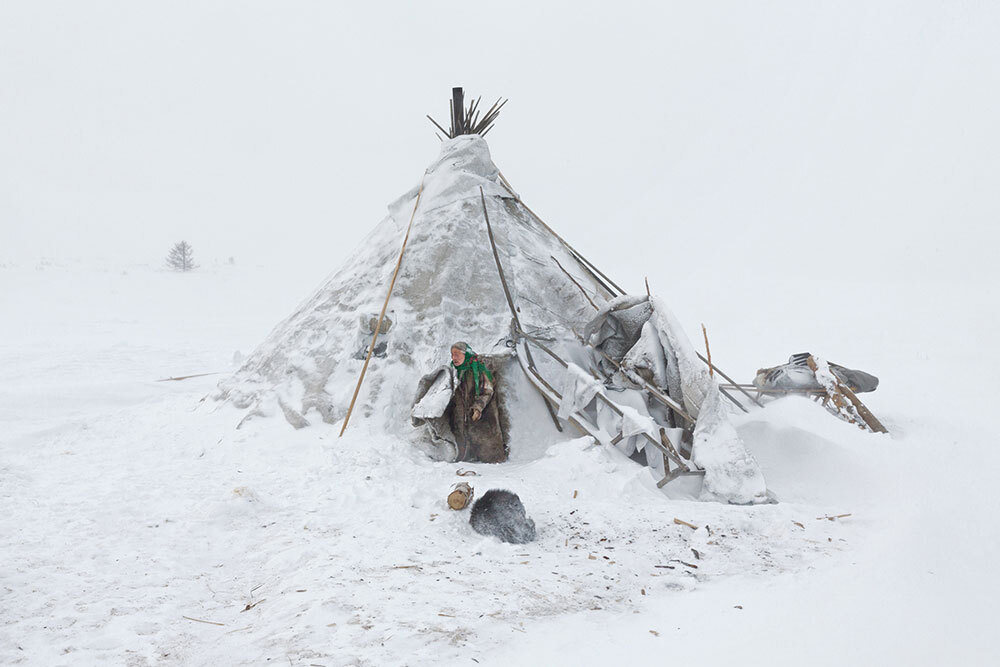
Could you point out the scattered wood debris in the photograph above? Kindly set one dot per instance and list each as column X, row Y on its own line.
column 186, row 377
column 841, row 401
column 199, row 620
column 834, row 517
column 681, row 522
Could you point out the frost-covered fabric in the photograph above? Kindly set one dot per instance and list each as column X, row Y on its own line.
column 659, row 353
column 617, row 326
column 634, row 423
column 433, row 394
column 578, row 389
column 732, row 473
column 695, row 382
column 652, row 361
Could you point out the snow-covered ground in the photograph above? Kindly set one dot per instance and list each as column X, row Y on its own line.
column 139, row 527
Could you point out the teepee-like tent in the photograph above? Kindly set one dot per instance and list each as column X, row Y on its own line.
column 575, row 355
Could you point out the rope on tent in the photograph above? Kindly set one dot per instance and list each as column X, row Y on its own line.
column 378, row 326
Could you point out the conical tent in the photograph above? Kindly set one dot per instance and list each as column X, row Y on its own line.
column 449, row 288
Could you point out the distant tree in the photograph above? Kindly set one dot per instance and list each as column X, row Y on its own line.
column 181, row 257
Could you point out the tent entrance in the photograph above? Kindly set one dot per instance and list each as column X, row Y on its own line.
column 451, row 433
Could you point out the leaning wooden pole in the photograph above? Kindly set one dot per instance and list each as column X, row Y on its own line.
column 580, row 258
column 575, row 282
column 731, row 381
column 457, row 111
column 708, row 351
column 510, row 301
column 385, row 304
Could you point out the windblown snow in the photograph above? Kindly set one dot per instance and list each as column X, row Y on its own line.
column 140, row 527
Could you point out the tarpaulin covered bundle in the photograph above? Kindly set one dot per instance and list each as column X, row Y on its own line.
column 797, row 376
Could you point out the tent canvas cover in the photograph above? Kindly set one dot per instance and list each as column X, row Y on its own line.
column 448, row 288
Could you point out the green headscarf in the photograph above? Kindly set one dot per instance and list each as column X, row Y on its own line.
column 472, row 363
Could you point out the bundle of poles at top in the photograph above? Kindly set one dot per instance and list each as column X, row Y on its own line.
column 466, row 119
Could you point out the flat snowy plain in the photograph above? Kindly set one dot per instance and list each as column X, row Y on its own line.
column 140, row 528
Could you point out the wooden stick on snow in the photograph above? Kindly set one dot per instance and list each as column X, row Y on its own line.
column 186, row 377
column 385, row 304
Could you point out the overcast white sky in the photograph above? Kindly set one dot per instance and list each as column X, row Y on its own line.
column 751, row 136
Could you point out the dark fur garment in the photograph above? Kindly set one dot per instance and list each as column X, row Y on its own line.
column 500, row 513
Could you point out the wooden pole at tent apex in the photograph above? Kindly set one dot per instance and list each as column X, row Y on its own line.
column 457, row 111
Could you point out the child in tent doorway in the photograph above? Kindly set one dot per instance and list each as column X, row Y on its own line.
column 475, row 420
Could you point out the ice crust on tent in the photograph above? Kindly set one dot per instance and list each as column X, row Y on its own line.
column 447, row 289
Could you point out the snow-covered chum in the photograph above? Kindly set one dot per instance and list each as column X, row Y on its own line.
column 449, row 288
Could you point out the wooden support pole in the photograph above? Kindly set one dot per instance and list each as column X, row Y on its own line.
column 846, row 401
column 385, row 304
column 708, row 351
column 653, row 391
column 574, row 281
column 583, row 260
column 458, row 110
column 510, row 299
column 732, row 382
column 496, row 257
column 866, row 414
column 592, row 431
column 604, row 399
